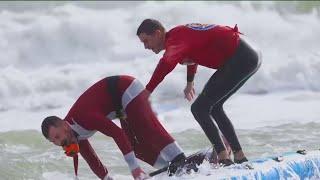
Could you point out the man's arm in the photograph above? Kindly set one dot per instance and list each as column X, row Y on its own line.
column 173, row 55
column 107, row 127
column 88, row 153
column 191, row 71
column 189, row 91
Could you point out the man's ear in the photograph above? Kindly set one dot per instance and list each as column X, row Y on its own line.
column 158, row 33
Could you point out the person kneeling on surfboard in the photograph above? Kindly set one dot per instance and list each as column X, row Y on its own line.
column 141, row 135
column 213, row 46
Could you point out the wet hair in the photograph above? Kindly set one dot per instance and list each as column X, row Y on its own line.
column 149, row 26
column 48, row 122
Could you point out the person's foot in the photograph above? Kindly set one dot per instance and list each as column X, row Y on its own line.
column 240, row 161
column 181, row 162
column 213, row 157
column 225, row 162
column 239, row 157
column 223, row 155
column 191, row 166
column 176, row 164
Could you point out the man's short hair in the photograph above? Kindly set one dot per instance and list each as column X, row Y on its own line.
column 48, row 122
column 149, row 26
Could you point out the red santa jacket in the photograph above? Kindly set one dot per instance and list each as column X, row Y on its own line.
column 193, row 44
column 93, row 111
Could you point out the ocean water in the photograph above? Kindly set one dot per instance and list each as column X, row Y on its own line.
column 52, row 51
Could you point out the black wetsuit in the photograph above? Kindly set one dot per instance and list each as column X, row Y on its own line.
column 222, row 84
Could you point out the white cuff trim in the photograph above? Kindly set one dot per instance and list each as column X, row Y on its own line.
column 167, row 154
column 131, row 160
column 107, row 177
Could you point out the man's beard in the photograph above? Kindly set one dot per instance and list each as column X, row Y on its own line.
column 65, row 142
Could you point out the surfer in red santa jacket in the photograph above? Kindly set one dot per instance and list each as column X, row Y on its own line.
column 141, row 135
column 214, row 46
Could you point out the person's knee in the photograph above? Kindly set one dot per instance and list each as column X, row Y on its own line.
column 200, row 109
column 196, row 108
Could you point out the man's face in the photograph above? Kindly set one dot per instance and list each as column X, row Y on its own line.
column 154, row 42
column 60, row 135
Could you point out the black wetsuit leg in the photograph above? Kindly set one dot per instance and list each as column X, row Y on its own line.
column 222, row 84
